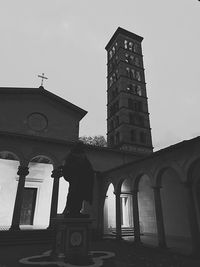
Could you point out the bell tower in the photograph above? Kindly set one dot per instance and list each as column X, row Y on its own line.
column 128, row 125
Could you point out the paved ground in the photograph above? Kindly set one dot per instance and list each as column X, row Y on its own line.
column 127, row 255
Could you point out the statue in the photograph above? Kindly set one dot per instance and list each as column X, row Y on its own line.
column 78, row 171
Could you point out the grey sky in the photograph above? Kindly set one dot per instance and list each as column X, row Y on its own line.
column 66, row 39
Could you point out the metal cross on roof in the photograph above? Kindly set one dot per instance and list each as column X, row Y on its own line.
column 42, row 77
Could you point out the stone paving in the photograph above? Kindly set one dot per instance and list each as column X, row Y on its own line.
column 126, row 255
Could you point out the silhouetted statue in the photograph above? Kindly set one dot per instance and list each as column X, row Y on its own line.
column 78, row 171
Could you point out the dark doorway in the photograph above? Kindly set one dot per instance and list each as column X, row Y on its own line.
column 28, row 206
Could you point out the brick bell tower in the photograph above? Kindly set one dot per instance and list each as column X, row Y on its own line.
column 128, row 125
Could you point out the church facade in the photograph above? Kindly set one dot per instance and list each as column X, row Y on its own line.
column 151, row 197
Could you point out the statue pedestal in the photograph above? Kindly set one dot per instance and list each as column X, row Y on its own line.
column 71, row 242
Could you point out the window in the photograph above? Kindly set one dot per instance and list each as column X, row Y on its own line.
column 135, row 48
column 132, row 59
column 127, row 58
column 137, row 61
column 125, row 44
column 138, row 76
column 114, row 77
column 110, row 54
column 130, row 46
column 128, row 72
column 132, row 73
column 133, row 135
column 117, row 74
column 111, row 81
column 139, row 90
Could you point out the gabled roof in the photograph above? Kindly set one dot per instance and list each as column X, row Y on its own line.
column 123, row 32
column 42, row 91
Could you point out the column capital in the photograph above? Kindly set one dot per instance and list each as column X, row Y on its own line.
column 23, row 171
column 117, row 193
column 57, row 173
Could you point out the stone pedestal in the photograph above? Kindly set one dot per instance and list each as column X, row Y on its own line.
column 71, row 242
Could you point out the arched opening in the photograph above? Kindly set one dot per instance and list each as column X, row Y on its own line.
column 9, row 163
column 174, row 208
column 36, row 204
column 126, row 207
column 109, row 211
column 62, row 195
column 147, row 217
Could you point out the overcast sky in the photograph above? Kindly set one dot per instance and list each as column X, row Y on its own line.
column 65, row 39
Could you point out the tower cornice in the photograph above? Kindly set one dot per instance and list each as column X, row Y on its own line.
column 125, row 33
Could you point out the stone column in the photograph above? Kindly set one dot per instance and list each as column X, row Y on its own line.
column 22, row 172
column 159, row 217
column 192, row 217
column 56, row 174
column 136, row 220
column 118, row 216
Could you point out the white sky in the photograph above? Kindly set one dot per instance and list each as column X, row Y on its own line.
column 65, row 39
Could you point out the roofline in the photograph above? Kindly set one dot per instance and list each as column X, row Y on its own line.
column 156, row 153
column 64, row 142
column 42, row 91
column 123, row 32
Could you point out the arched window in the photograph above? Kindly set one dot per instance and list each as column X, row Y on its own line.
column 114, row 77
column 132, row 59
column 111, row 81
column 126, row 58
column 128, row 72
column 137, row 61
column 139, row 90
column 132, row 74
column 135, row 47
column 130, row 46
column 138, row 76
column 125, row 44
column 117, row 73
column 110, row 54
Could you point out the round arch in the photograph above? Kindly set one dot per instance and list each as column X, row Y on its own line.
column 162, row 168
column 191, row 168
column 109, row 210
column 170, row 179
column 43, row 155
column 7, row 152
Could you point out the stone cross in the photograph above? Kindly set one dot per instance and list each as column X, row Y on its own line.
column 42, row 77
